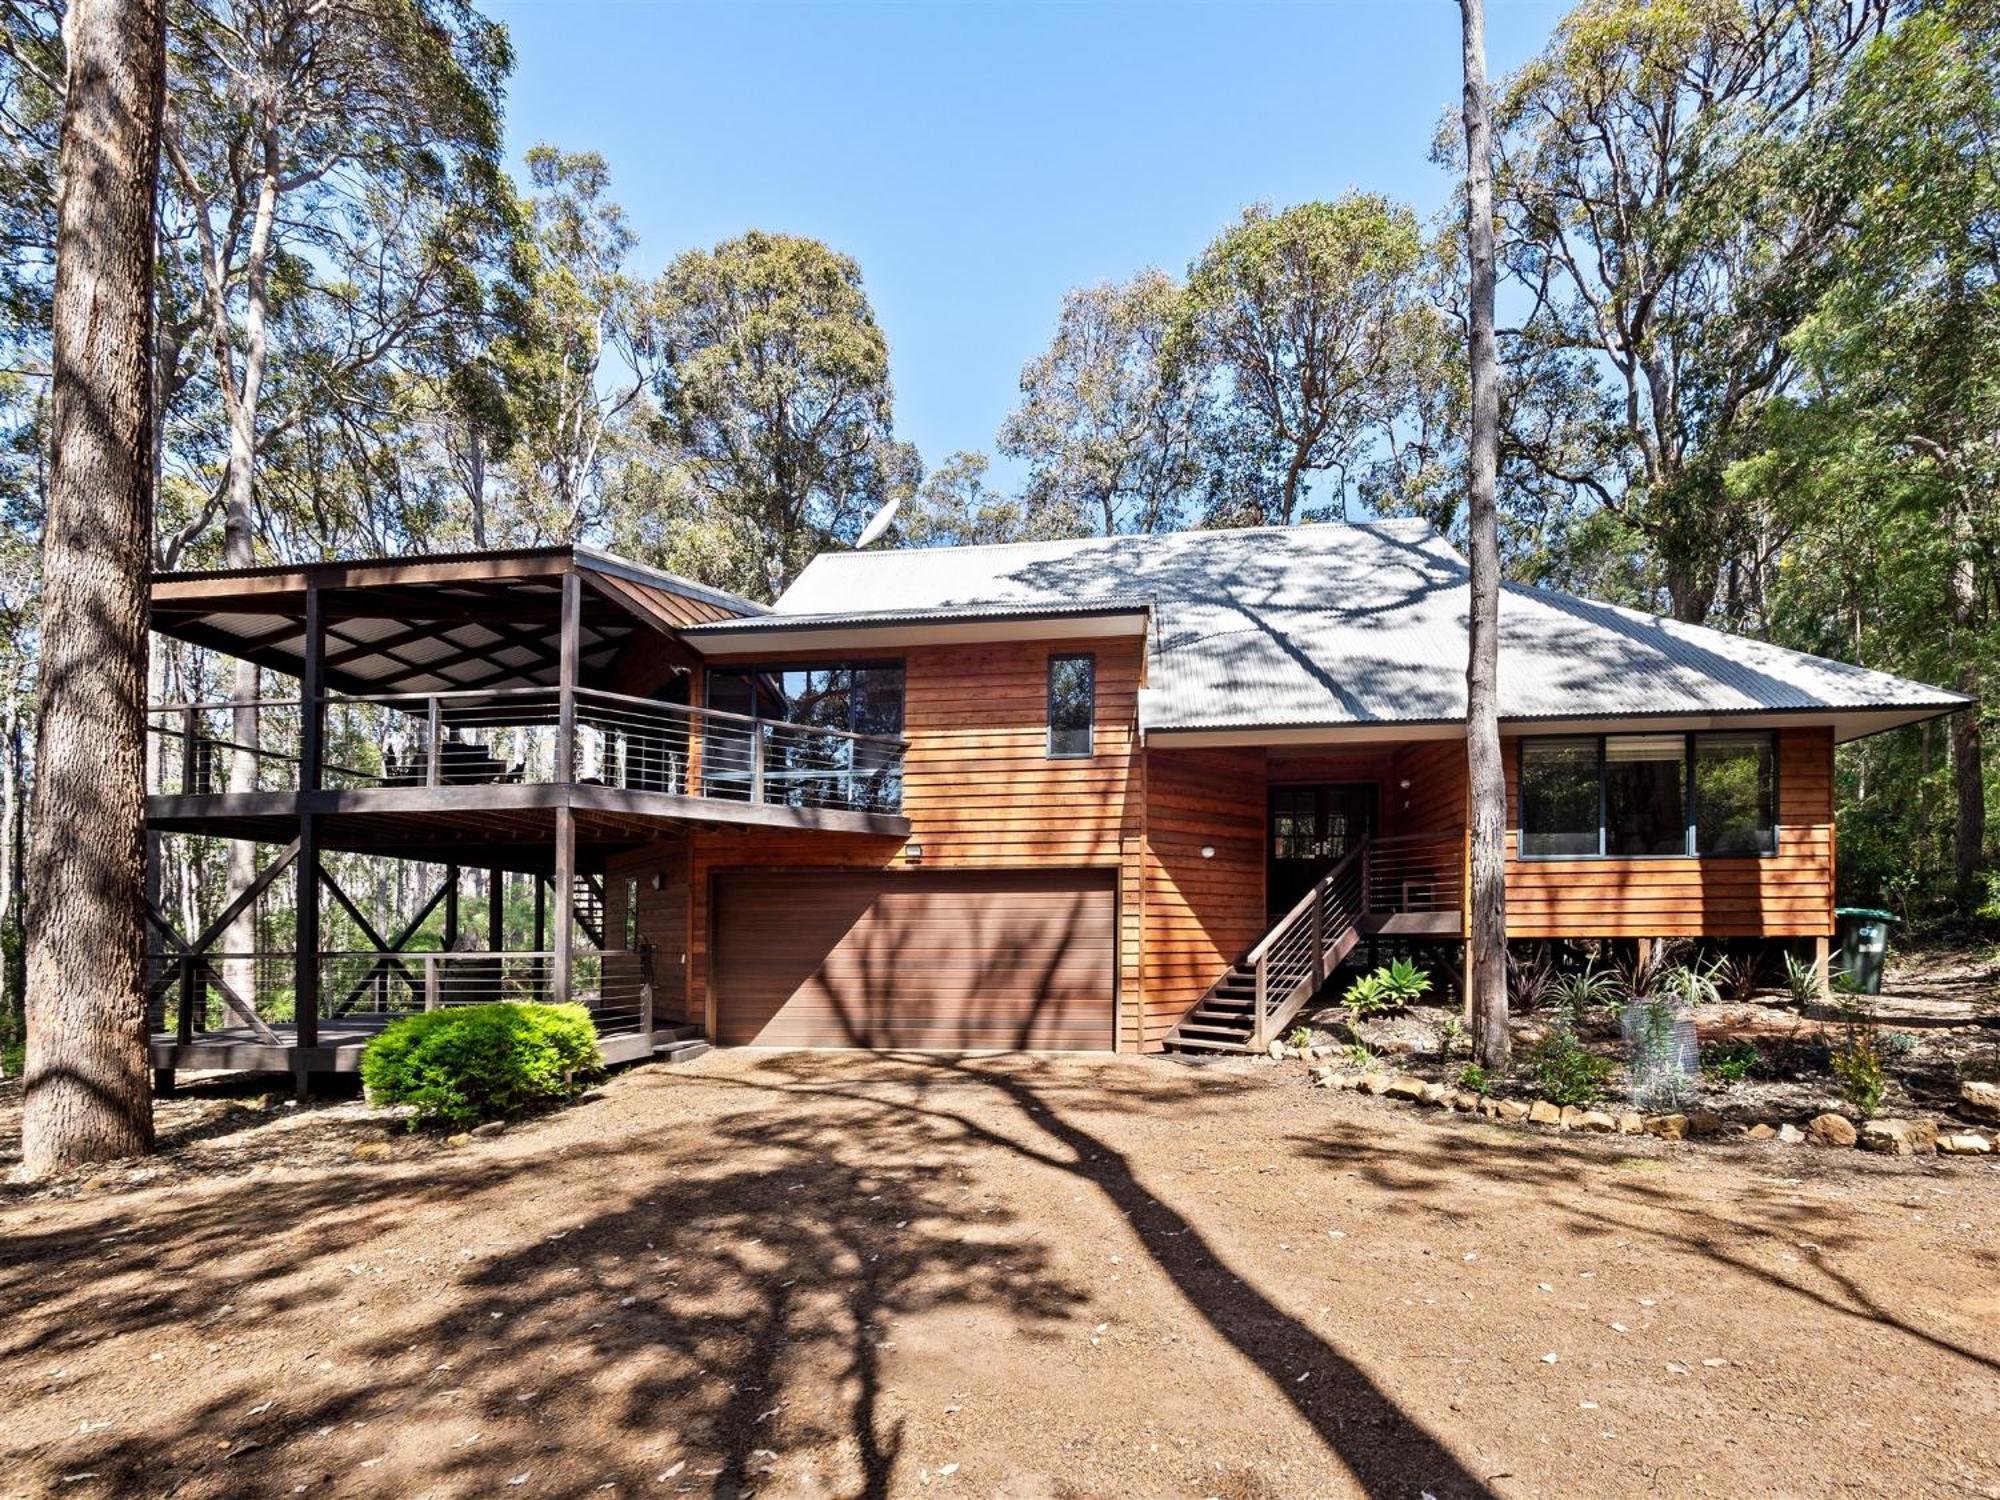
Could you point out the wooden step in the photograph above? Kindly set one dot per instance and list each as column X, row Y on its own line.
column 679, row 1052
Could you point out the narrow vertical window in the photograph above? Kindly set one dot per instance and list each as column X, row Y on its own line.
column 631, row 913
column 1560, row 794
column 1072, row 704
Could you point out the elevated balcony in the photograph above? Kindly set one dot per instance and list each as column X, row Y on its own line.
column 241, row 769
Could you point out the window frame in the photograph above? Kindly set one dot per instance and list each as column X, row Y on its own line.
column 779, row 666
column 1689, row 809
column 1089, row 658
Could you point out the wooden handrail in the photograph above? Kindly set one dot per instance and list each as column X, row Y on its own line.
column 1283, row 925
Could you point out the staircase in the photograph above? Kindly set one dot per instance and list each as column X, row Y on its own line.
column 1252, row 1002
column 672, row 1044
column 587, row 907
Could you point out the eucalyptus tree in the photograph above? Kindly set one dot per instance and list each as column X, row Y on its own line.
column 1300, row 314
column 1670, row 212
column 774, row 395
column 88, row 1089
column 956, row 506
column 1109, row 425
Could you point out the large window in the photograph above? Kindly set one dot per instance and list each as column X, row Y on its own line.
column 866, row 697
column 1072, row 704
column 1648, row 795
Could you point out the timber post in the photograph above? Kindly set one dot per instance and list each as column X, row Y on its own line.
column 569, row 662
column 565, row 914
column 305, row 951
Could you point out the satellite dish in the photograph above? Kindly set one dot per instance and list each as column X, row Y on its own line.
column 878, row 524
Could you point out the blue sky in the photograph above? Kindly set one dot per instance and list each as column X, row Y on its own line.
column 979, row 159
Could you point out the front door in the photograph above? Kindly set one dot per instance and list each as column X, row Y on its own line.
column 1312, row 827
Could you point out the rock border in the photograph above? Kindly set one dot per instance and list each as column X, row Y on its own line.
column 1887, row 1136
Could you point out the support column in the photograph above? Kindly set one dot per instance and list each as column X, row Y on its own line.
column 568, row 665
column 565, row 914
column 1823, row 962
column 496, row 910
column 312, row 694
column 305, row 950
column 450, row 907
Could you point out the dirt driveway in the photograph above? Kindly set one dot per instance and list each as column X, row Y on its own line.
column 837, row 1274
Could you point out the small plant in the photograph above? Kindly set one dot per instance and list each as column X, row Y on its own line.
column 1857, row 1065
column 1898, row 1043
column 1476, row 1079
column 1857, row 1062
column 1358, row 1056
column 1689, row 984
column 1299, row 1037
column 1450, row 1029
column 1389, row 988
column 1731, row 1061
column 468, row 1063
column 1802, row 981
column 1564, row 1072
column 1575, row 995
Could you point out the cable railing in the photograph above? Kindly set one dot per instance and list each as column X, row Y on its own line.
column 1416, row 872
column 511, row 736
column 364, row 989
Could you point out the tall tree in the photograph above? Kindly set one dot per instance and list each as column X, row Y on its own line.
column 1486, row 965
column 1301, row 312
column 1661, row 177
column 88, row 1089
column 774, row 393
column 1109, row 426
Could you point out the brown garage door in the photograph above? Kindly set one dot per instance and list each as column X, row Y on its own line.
column 864, row 958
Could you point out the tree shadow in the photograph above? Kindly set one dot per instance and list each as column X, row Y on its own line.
column 726, row 1312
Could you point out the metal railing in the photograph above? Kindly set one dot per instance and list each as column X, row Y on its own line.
column 501, row 736
column 1291, row 963
column 255, row 991
column 1416, row 872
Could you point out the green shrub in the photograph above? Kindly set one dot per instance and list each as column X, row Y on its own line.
column 1565, row 1072
column 468, row 1063
column 1573, row 995
column 1358, row 1056
column 1857, row 1064
column 1802, row 981
column 1389, row 988
column 1300, row 1037
column 1450, row 1029
column 1475, row 1079
column 1731, row 1061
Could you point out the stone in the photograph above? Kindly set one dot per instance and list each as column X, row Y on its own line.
column 1965, row 1143
column 1277, row 1051
column 1703, row 1122
column 1899, row 1137
column 1980, row 1100
column 1596, row 1120
column 1489, row 1107
column 1437, row 1093
column 490, row 1129
column 1631, row 1122
column 1830, row 1130
column 461, row 1139
column 1464, row 1101
column 1790, row 1135
column 1404, row 1086
column 1541, row 1112
column 1512, row 1109
column 1667, row 1127
column 373, row 1151
column 1761, row 1133
column 1569, row 1116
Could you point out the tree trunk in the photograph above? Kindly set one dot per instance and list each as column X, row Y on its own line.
column 1967, row 764
column 88, row 1085
column 1486, row 963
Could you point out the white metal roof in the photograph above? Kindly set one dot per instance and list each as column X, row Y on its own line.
column 1344, row 625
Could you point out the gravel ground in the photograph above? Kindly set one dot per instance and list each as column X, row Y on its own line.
column 821, row 1274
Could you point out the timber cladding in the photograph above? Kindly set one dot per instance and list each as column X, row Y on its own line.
column 1789, row 893
column 979, row 789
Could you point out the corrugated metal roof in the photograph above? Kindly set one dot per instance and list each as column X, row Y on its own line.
column 1343, row 625
column 844, row 619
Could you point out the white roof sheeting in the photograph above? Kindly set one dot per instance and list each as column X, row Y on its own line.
column 1345, row 625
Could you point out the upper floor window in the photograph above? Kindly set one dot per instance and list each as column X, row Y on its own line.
column 1649, row 795
column 1072, row 704
column 862, row 697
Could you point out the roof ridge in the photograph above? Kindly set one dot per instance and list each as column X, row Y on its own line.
column 1290, row 529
